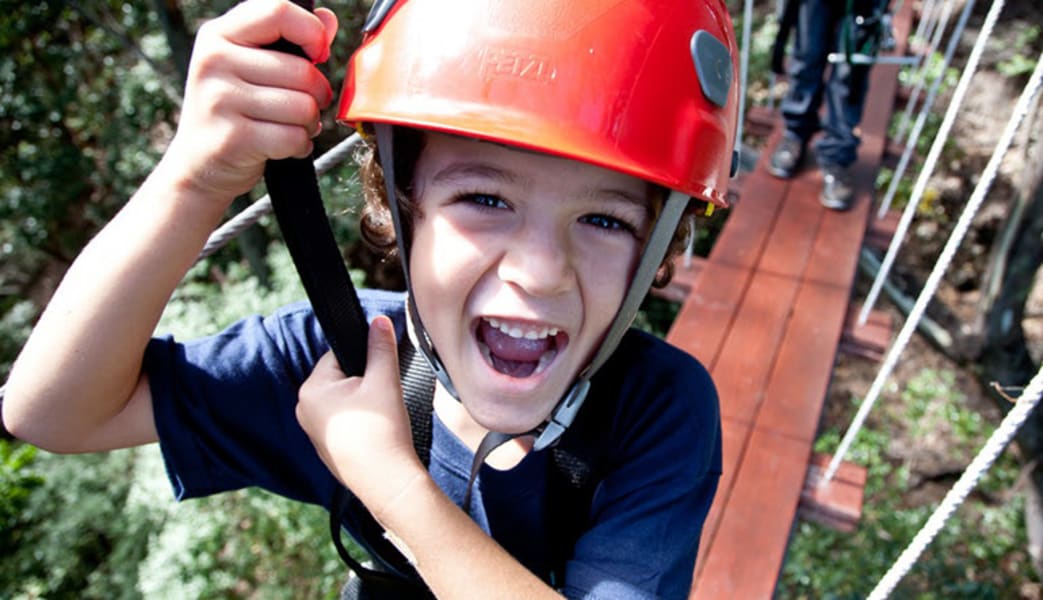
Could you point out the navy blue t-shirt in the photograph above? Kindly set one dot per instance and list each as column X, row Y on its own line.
column 225, row 412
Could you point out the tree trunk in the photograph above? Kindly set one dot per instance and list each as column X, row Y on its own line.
column 1004, row 357
column 178, row 37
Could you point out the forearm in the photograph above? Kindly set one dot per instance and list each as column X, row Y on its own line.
column 82, row 362
column 453, row 555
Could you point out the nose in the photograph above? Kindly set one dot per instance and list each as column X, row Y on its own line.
column 539, row 261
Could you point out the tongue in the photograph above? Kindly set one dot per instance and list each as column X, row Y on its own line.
column 513, row 356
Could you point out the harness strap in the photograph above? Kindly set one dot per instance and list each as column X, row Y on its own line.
column 786, row 22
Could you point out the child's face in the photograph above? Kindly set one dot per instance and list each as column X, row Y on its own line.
column 511, row 243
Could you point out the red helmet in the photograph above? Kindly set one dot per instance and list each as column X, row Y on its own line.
column 644, row 87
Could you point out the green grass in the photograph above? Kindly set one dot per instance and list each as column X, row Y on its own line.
column 979, row 554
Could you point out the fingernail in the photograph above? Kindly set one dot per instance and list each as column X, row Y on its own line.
column 317, row 131
column 382, row 324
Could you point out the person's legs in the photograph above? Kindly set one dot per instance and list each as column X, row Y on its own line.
column 845, row 98
column 837, row 148
column 814, row 39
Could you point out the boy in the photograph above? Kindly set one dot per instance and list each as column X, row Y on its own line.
column 531, row 201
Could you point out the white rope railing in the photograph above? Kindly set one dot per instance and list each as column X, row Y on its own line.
column 1021, row 109
column 921, row 119
column 744, row 62
column 932, row 157
column 921, row 78
column 982, row 462
column 925, row 18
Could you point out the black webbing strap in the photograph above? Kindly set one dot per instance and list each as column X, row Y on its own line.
column 297, row 204
column 787, row 20
column 418, row 389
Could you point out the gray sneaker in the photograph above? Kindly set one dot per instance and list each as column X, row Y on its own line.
column 788, row 155
column 838, row 192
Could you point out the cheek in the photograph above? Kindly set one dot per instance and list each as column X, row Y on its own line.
column 607, row 271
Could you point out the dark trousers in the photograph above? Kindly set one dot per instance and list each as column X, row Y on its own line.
column 812, row 79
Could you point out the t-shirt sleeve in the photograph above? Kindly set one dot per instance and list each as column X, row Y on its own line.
column 648, row 513
column 225, row 407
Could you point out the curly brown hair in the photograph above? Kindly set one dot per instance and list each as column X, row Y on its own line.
column 378, row 230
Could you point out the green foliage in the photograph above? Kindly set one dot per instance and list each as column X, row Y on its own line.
column 1020, row 62
column 15, row 325
column 77, row 537
column 656, row 315
column 964, row 560
column 105, row 525
column 909, row 76
column 17, row 481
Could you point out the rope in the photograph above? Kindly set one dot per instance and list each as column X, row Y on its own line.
column 932, row 156
column 253, row 213
column 921, row 78
column 921, row 119
column 744, row 59
column 1021, row 109
column 981, row 463
column 925, row 17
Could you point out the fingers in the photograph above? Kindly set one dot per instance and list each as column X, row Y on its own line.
column 245, row 104
column 259, row 23
column 382, row 370
column 382, row 354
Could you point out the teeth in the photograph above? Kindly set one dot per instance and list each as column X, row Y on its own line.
column 516, row 332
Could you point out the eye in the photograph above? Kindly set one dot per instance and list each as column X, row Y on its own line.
column 485, row 201
column 608, row 222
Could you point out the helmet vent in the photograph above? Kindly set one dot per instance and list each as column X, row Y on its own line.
column 713, row 65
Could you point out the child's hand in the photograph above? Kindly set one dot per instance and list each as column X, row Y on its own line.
column 360, row 426
column 245, row 104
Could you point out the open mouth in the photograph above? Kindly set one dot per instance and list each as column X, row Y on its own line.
column 518, row 350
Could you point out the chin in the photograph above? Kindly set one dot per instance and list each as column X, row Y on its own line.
column 507, row 419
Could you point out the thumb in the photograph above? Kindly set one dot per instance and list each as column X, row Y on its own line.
column 382, row 352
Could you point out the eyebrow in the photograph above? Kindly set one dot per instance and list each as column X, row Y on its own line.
column 456, row 172
column 642, row 201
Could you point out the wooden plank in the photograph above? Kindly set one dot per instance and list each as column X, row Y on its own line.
column 797, row 387
column 734, row 436
column 834, row 260
column 751, row 539
column 790, row 244
column 869, row 340
column 749, row 351
column 702, row 323
column 741, row 241
column 882, row 230
column 838, row 502
column 760, row 121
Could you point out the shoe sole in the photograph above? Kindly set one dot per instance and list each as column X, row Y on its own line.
column 837, row 205
column 781, row 173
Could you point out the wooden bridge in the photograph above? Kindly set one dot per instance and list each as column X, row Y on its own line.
column 766, row 313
